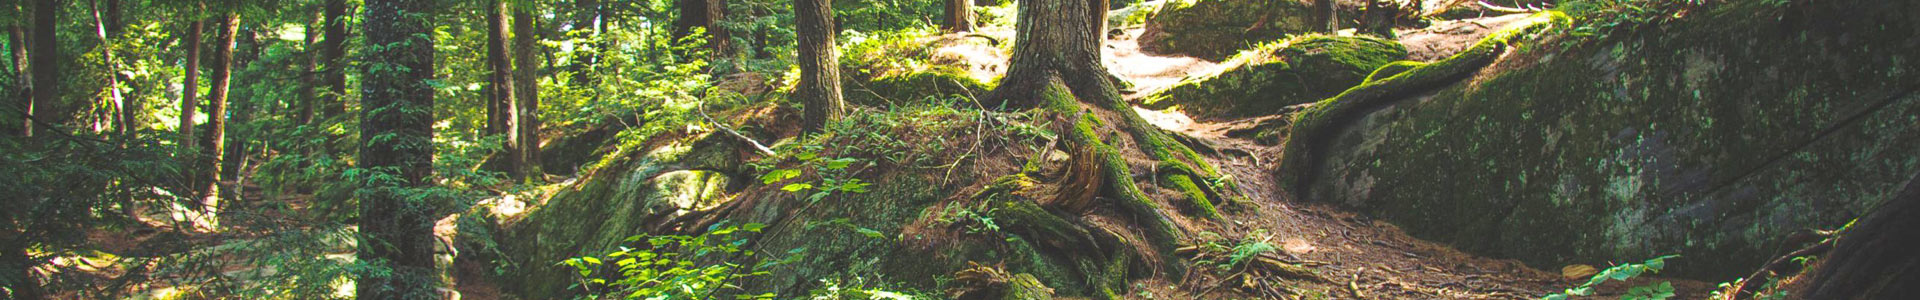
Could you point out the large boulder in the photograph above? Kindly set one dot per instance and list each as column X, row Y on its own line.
column 1216, row 29
column 1273, row 76
column 1709, row 136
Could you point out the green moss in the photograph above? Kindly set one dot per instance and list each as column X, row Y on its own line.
column 1275, row 75
column 926, row 86
column 1391, row 69
column 1215, row 29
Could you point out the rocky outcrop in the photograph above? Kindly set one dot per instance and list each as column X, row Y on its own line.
column 1216, row 29
column 1273, row 76
column 1707, row 136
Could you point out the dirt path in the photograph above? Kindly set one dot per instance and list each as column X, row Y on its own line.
column 1363, row 258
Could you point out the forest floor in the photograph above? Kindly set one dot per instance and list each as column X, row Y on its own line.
column 1361, row 257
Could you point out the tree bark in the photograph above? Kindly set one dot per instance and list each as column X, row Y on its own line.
column 1325, row 16
column 44, row 59
column 499, row 84
column 304, row 114
column 959, row 16
column 22, row 78
column 1379, row 18
column 705, row 14
column 526, row 99
column 396, row 139
column 819, row 86
column 586, row 17
column 1877, row 257
column 190, row 88
column 333, row 52
column 215, row 142
column 123, row 117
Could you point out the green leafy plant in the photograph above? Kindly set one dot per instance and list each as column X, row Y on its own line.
column 832, row 176
column 671, row 266
column 1658, row 291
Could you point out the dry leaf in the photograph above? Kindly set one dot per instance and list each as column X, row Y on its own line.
column 1575, row 272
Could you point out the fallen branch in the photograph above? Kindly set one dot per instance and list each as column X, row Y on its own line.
column 1754, row 282
column 723, row 127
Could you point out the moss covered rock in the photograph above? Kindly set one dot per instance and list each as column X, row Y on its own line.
column 1216, row 29
column 1266, row 79
column 605, row 207
column 913, row 87
column 1709, row 136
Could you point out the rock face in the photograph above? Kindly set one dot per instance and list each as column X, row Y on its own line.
column 1273, row 76
column 593, row 217
column 1708, row 136
column 1216, row 29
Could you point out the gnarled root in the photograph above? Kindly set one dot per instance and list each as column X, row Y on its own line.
column 1314, row 127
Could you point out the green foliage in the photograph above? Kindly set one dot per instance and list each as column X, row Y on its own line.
column 831, row 289
column 1604, row 17
column 671, row 266
column 830, row 176
column 1659, row 291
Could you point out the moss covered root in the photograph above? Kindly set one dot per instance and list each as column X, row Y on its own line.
column 1313, row 126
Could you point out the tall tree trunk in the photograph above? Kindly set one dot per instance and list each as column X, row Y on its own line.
column 819, row 86
column 959, row 16
column 215, row 143
column 123, row 116
column 44, row 59
column 396, row 138
column 705, row 14
column 526, row 98
column 22, row 78
column 190, row 89
column 499, row 85
column 1325, row 16
column 1878, row 258
column 333, row 53
column 304, row 114
column 234, row 159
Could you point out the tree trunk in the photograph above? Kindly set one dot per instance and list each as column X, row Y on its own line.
column 44, row 59
column 705, row 14
column 123, row 117
column 333, row 52
column 215, row 142
column 190, row 89
column 22, row 78
column 1876, row 258
column 1055, row 66
column 586, row 17
column 304, row 114
column 1325, row 16
column 499, row 84
column 819, row 86
column 234, row 159
column 526, row 99
column 396, row 139
column 959, row 16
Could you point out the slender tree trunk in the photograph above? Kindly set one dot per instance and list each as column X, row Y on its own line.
column 190, row 89
column 1325, row 16
column 304, row 114
column 526, row 102
column 44, row 59
column 396, row 136
column 22, row 78
column 819, row 86
column 499, row 85
column 1877, row 258
column 123, row 117
column 959, row 16
column 333, row 53
column 234, row 159
column 215, row 143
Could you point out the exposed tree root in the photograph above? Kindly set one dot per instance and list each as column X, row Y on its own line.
column 1314, row 127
